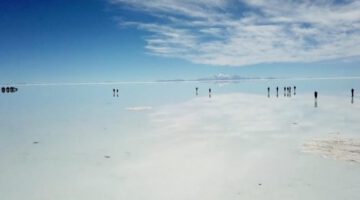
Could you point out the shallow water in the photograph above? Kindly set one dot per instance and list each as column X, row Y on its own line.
column 161, row 141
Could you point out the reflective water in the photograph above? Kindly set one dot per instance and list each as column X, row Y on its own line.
column 161, row 141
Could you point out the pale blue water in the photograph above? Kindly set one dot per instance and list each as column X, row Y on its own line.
column 56, row 138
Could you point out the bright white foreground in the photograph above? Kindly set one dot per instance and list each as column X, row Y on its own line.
column 232, row 146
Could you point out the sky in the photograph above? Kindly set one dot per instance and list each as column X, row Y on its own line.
column 136, row 40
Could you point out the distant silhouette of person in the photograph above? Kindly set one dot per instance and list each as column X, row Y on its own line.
column 197, row 90
column 352, row 92
column 288, row 90
column 3, row 90
column 268, row 90
column 284, row 91
column 114, row 92
column 209, row 92
column 316, row 96
column 117, row 92
column 7, row 89
column 294, row 90
column 277, row 91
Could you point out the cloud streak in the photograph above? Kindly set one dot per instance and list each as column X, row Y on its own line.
column 245, row 32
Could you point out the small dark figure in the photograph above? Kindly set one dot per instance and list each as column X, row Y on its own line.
column 209, row 92
column 352, row 92
column 7, row 89
column 197, row 90
column 13, row 89
column 268, row 89
column 294, row 90
column 114, row 92
column 316, row 96
column 288, row 89
column 277, row 91
column 3, row 90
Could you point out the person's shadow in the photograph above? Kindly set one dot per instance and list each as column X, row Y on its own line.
column 352, row 100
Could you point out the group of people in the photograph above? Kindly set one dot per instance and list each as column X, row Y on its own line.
column 287, row 91
column 197, row 91
column 115, row 92
column 9, row 89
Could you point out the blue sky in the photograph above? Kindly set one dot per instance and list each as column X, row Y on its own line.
column 134, row 40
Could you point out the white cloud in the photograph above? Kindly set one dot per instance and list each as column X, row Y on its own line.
column 243, row 32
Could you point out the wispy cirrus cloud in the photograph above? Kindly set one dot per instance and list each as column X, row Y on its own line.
column 244, row 32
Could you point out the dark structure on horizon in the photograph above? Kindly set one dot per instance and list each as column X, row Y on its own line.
column 9, row 89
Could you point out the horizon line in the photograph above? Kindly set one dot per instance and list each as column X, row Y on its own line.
column 176, row 81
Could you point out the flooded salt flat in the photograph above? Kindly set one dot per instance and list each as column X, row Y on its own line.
column 162, row 141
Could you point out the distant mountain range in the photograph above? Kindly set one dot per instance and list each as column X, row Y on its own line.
column 219, row 77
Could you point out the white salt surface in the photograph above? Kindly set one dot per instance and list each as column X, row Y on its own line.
column 230, row 146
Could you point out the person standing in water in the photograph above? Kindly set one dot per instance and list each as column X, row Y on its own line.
column 277, row 91
column 352, row 92
column 316, row 96
column 284, row 91
column 268, row 89
column 197, row 90
column 209, row 92
column 294, row 90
